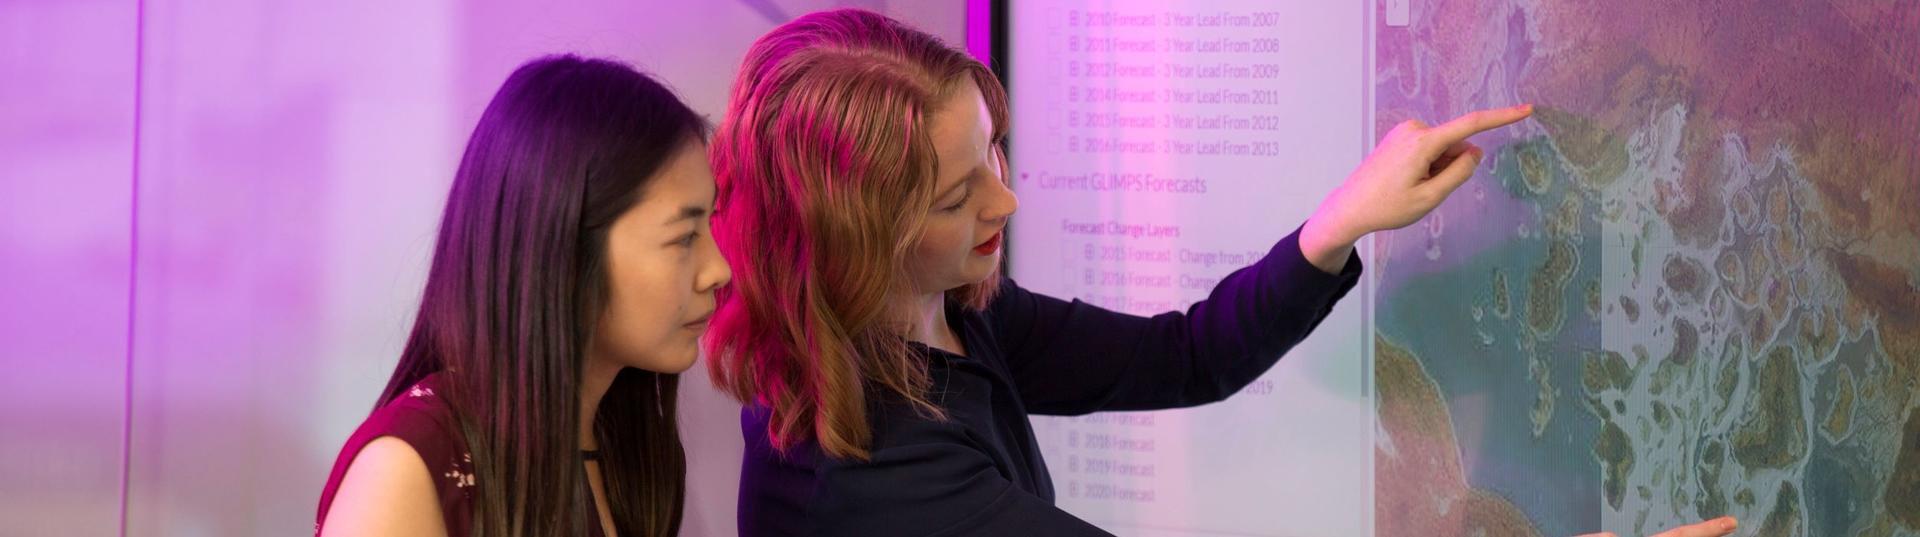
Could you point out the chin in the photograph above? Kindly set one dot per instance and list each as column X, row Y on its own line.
column 981, row 269
column 683, row 362
column 986, row 274
column 668, row 363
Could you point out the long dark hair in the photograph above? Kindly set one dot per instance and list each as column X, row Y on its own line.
column 517, row 284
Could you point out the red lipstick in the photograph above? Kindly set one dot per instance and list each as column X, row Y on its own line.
column 988, row 248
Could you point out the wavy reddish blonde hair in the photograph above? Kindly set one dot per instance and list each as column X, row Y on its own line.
column 825, row 175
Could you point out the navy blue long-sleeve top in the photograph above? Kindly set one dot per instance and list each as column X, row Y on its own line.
column 979, row 471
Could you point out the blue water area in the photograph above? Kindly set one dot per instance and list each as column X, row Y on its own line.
column 1841, row 486
column 1554, row 479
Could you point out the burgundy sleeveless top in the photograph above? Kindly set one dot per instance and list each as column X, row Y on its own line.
column 425, row 421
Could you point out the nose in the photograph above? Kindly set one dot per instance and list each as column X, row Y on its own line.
column 1002, row 203
column 714, row 272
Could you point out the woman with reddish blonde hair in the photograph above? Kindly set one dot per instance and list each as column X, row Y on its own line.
column 886, row 367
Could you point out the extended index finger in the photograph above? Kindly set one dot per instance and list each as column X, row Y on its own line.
column 1460, row 128
column 1711, row 528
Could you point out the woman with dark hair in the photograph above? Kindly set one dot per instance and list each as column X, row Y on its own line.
column 573, row 275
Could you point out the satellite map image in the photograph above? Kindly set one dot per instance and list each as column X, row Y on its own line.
column 1688, row 287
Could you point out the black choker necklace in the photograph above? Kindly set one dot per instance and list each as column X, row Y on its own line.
column 590, row 454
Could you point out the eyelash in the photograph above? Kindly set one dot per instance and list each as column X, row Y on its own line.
column 962, row 203
column 688, row 239
column 956, row 206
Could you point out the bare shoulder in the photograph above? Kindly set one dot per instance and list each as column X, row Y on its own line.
column 387, row 490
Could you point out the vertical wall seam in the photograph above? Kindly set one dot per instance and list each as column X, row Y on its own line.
column 133, row 262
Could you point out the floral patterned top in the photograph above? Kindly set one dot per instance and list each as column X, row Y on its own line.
column 424, row 421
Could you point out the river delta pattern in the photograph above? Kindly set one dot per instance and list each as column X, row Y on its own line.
column 1688, row 287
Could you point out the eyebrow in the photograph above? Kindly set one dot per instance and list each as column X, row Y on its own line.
column 690, row 212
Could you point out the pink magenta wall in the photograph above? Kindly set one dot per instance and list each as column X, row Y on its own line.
column 214, row 222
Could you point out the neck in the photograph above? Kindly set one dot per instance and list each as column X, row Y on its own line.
column 926, row 318
column 594, row 382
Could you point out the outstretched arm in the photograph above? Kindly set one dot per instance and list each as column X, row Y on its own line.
column 1413, row 169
